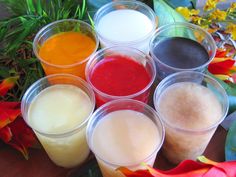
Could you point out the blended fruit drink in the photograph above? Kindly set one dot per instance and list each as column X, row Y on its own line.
column 191, row 113
column 128, row 23
column 58, row 115
column 124, row 137
column 115, row 73
column 120, row 76
column 64, row 47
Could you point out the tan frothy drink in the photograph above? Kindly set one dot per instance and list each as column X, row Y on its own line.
column 190, row 112
column 124, row 133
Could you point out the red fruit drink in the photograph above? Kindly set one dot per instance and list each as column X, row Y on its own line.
column 117, row 76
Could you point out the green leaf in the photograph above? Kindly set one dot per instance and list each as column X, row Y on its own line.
column 39, row 7
column 31, row 8
column 4, row 72
column 230, row 145
column 230, row 89
column 91, row 21
column 83, row 9
column 26, row 62
column 184, row 3
column 166, row 14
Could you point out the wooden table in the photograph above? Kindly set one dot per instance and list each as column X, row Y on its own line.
column 13, row 164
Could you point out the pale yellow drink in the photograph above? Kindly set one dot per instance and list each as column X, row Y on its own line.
column 55, row 111
column 124, row 138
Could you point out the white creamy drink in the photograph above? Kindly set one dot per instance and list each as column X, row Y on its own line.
column 123, row 138
column 124, row 26
column 187, row 109
column 56, row 110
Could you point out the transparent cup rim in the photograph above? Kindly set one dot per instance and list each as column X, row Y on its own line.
column 125, row 43
column 45, row 29
column 137, row 51
column 195, row 131
column 182, row 24
column 35, row 85
column 114, row 102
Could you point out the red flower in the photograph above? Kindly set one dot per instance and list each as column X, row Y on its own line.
column 222, row 66
column 13, row 130
column 188, row 168
column 7, row 84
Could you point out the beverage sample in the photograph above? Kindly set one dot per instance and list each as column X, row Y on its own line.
column 131, row 25
column 58, row 114
column 124, row 137
column 181, row 47
column 191, row 113
column 181, row 53
column 64, row 47
column 117, row 75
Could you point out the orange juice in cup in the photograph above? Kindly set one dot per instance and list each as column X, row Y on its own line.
column 64, row 46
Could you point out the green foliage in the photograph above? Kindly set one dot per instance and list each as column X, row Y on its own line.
column 184, row 3
column 230, row 144
column 230, row 89
column 166, row 14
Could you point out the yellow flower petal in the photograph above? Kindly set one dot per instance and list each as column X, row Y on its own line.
column 216, row 59
column 211, row 4
column 232, row 7
column 194, row 12
column 222, row 77
column 184, row 11
column 231, row 28
column 218, row 15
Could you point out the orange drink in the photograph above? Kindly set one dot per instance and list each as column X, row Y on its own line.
column 64, row 47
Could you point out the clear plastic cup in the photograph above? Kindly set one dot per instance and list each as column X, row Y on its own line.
column 128, row 34
column 190, row 121
column 136, row 55
column 184, row 30
column 109, row 166
column 66, row 146
column 57, row 27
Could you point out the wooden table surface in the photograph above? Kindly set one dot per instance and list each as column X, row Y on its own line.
column 13, row 164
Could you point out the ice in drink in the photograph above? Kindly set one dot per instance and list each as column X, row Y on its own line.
column 57, row 108
column 191, row 106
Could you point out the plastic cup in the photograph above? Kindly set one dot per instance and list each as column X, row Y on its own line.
column 55, row 28
column 109, row 166
column 189, row 128
column 184, row 30
column 132, row 53
column 66, row 146
column 121, row 31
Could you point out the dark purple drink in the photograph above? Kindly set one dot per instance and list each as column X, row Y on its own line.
column 182, row 53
